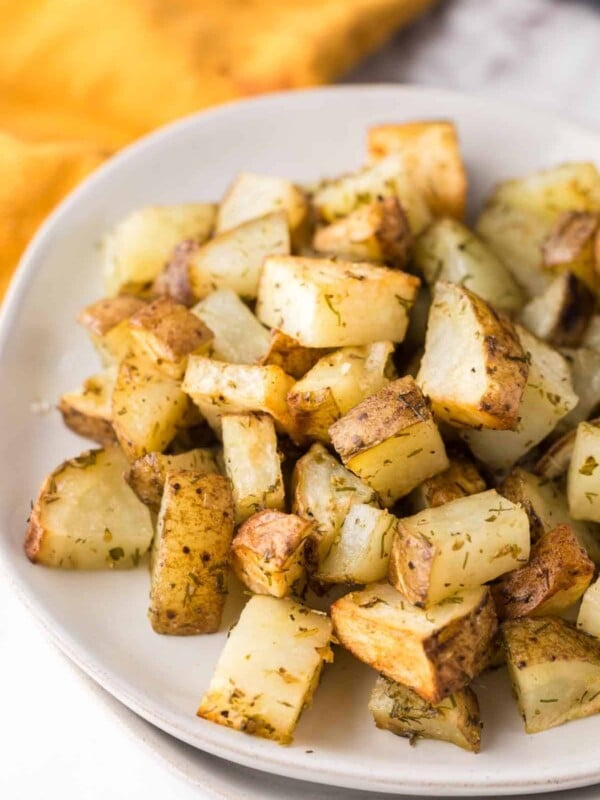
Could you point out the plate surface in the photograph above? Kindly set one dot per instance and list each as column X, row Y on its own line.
column 99, row 619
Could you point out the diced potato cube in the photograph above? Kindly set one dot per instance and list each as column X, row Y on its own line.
column 269, row 668
column 188, row 583
column 391, row 441
column 461, row 479
column 88, row 411
column 583, row 481
column 561, row 313
column 293, row 357
column 106, row 325
column 175, row 279
column 268, row 552
column 584, row 366
column 434, row 652
column 588, row 619
column 326, row 303
column 591, row 337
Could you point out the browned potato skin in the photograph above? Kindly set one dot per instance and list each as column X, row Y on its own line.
column 293, row 358
column 555, row 461
column 146, row 476
column 98, row 318
column 557, row 564
column 267, row 546
column 461, row 479
column 512, row 488
column 416, row 550
column 174, row 281
column 569, row 235
column 190, row 562
column 574, row 315
column 95, row 428
column 313, row 416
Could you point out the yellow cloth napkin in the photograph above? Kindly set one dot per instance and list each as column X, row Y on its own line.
column 79, row 78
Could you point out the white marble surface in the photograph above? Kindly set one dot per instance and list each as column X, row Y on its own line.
column 57, row 737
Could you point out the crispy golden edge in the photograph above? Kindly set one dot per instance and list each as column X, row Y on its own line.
column 570, row 233
column 98, row 318
column 461, row 479
column 273, row 535
column 411, row 561
column 174, row 281
column 290, row 355
column 557, row 563
column 383, row 415
column 178, row 331
column 526, row 646
column 95, row 428
column 313, row 413
column 513, row 488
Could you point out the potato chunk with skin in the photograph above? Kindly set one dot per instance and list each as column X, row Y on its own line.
column 434, row 652
column 268, row 552
column 326, row 303
column 88, row 411
column 548, row 397
column 337, row 383
column 555, row 461
column 175, row 280
column 86, row 517
column 398, row 709
column 461, row 479
column 167, row 333
column 190, row 556
column 558, row 573
column 361, row 551
column 138, row 247
column 583, row 480
column 465, row 543
column 378, row 232
column 252, row 463
column 431, row 153
column 449, row 251
column 290, row 355
column 584, row 366
column 234, row 258
column 147, row 475
column 106, row 325
column 588, row 619
column 391, row 441
column 561, row 313
column 269, row 668
column 554, row 670
column 474, row 369
column 324, row 491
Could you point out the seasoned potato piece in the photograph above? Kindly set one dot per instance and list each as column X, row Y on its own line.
column 588, row 619
column 391, row 441
column 290, row 355
column 572, row 239
column 561, row 313
column 106, row 325
column 361, row 551
column 147, row 475
column 554, row 670
column 86, row 517
column 251, row 196
column 591, row 337
column 449, row 251
column 218, row 388
column 461, row 479
column 190, row 554
column 167, row 333
column 473, row 369
column 239, row 338
column 583, row 480
column 434, row 652
column 388, row 177
column 252, row 463
column 234, row 259
column 547, row 398
column 337, row 383
column 268, row 552
column 378, row 232
column 175, row 280
column 558, row 573
column 269, row 668
column 324, row 491
column 465, row 543
column 555, row 461
column 584, row 366
column 88, row 411
column 148, row 407
column 398, row 709
column 138, row 247
column 326, row 303
column 431, row 153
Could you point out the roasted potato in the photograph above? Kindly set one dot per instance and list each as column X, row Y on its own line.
column 474, row 369
column 588, row 619
column 175, row 280
column 460, row 479
column 337, row 383
column 583, row 480
column 554, row 670
column 106, row 324
column 137, row 249
column 464, row 543
column 391, row 441
column 560, row 315
column 398, row 709
column 190, row 554
column 290, row 355
column 434, row 652
column 268, row 552
column 591, row 337
column 558, row 573
column 86, row 516
column 555, row 461
column 326, row 303
column 252, row 463
column 449, row 251
column 269, row 668
column 584, row 366
column 88, row 411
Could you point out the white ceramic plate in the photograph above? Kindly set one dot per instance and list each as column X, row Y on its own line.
column 99, row 620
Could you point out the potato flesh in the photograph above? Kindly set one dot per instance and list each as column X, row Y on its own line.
column 269, row 668
column 87, row 517
column 583, row 479
column 460, row 479
column 252, row 463
column 361, row 551
column 326, row 303
column 239, row 338
column 233, row 260
column 588, row 619
column 88, row 411
column 584, row 366
column 591, row 337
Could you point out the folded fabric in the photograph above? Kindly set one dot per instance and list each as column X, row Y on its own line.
column 80, row 78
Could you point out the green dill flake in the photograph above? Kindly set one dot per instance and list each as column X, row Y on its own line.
column 549, row 700
column 116, row 553
column 588, row 466
column 332, row 308
column 590, row 496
